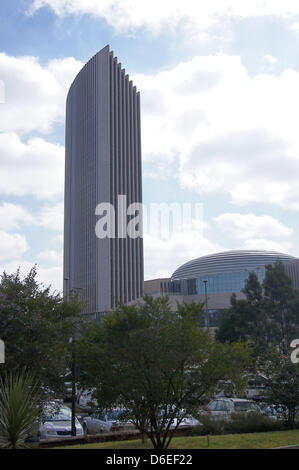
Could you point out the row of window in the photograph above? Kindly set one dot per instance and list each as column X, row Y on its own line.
column 225, row 282
column 221, row 283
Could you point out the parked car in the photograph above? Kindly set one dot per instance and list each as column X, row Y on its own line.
column 56, row 422
column 85, row 400
column 225, row 408
column 256, row 386
column 272, row 411
column 106, row 421
column 186, row 422
column 224, row 388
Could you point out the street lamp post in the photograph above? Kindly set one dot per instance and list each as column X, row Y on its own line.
column 67, row 288
column 207, row 311
column 73, row 366
column 74, row 432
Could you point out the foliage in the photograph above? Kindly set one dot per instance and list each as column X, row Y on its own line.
column 269, row 314
column 36, row 325
column 20, row 401
column 156, row 363
column 209, row 426
column 253, row 422
column 240, row 423
column 282, row 386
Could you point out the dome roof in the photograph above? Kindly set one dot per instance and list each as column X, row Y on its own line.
column 228, row 261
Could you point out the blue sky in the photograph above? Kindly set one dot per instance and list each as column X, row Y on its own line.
column 219, row 85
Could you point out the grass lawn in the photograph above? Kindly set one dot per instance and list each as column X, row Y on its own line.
column 260, row 440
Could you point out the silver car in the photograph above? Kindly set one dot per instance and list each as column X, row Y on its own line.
column 186, row 422
column 225, row 408
column 106, row 421
column 57, row 422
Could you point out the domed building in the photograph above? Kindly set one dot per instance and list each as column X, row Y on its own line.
column 213, row 278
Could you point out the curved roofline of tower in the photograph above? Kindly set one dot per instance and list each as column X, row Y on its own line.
column 85, row 65
column 104, row 49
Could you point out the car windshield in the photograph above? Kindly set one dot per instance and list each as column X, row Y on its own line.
column 245, row 405
column 57, row 414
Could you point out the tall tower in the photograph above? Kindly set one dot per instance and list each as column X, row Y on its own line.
column 103, row 161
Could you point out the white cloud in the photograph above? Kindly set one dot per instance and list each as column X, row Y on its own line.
column 51, row 277
column 227, row 131
column 269, row 58
column 264, row 244
column 35, row 95
column 35, row 167
column 2, row 92
column 256, row 232
column 12, row 245
column 295, row 26
column 12, row 216
column 162, row 257
column 51, row 217
column 45, row 275
column 58, row 239
column 128, row 15
column 250, row 226
column 51, row 256
column 223, row 127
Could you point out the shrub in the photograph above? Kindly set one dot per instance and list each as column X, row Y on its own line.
column 240, row 423
column 210, row 426
column 19, row 409
column 253, row 422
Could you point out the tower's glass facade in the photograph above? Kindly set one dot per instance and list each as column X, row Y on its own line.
column 103, row 161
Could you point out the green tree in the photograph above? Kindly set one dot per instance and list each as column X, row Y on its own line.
column 36, row 326
column 20, row 407
column 156, row 364
column 281, row 302
column 282, row 386
column 269, row 314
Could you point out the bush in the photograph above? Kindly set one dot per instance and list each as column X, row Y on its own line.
column 253, row 422
column 210, row 426
column 20, row 400
column 240, row 423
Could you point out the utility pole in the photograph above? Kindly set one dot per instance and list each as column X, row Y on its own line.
column 73, row 365
column 207, row 311
column 73, row 372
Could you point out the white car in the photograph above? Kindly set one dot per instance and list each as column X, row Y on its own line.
column 85, row 400
column 186, row 422
column 57, row 422
column 106, row 421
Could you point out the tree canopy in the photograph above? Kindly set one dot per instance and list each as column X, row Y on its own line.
column 36, row 326
column 282, row 385
column 156, row 363
column 269, row 316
